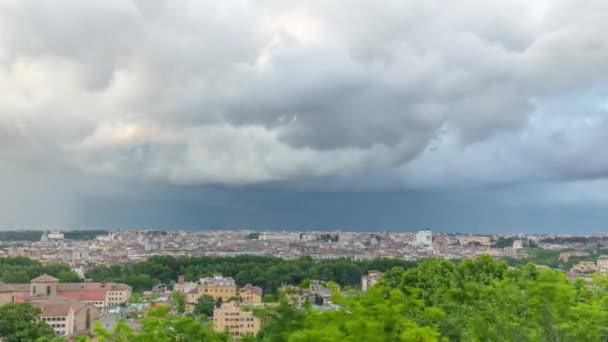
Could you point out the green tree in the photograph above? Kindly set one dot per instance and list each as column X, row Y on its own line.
column 161, row 326
column 179, row 302
column 205, row 305
column 20, row 323
column 121, row 332
column 280, row 321
column 135, row 298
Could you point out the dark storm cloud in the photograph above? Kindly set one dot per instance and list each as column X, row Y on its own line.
column 335, row 95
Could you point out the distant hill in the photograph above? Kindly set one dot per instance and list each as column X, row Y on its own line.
column 34, row 235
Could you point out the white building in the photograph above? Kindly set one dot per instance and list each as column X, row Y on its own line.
column 518, row 244
column 602, row 263
column 55, row 235
column 424, row 238
column 106, row 238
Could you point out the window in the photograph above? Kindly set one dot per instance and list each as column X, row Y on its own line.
column 87, row 323
column 48, row 290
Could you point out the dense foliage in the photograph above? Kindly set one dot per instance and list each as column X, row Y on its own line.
column 507, row 242
column 476, row 300
column 161, row 326
column 20, row 235
column 20, row 323
column 83, row 234
column 22, row 270
column 550, row 257
column 35, row 235
column 205, row 305
column 575, row 239
column 267, row 272
column 438, row 300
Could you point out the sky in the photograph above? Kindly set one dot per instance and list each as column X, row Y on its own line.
column 460, row 116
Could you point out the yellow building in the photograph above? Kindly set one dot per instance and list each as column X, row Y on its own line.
column 250, row 294
column 238, row 322
column 218, row 287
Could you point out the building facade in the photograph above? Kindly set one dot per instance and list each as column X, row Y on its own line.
column 250, row 294
column 424, row 238
column 68, row 308
column 65, row 316
column 231, row 317
column 218, row 287
column 602, row 263
column 369, row 280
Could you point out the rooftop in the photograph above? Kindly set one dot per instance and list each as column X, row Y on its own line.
column 4, row 288
column 45, row 278
column 56, row 305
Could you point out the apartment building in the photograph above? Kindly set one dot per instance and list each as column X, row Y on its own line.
column 234, row 319
column 218, row 287
column 602, row 263
column 250, row 294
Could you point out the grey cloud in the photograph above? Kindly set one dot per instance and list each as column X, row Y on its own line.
column 216, row 92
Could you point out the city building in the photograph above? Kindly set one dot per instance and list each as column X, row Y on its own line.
column 184, row 287
column 66, row 316
column 602, row 263
column 250, row 294
column 370, row 279
column 318, row 294
column 101, row 295
column 583, row 268
column 219, row 287
column 424, row 238
column 518, row 244
column 55, row 235
column 66, row 307
column 233, row 318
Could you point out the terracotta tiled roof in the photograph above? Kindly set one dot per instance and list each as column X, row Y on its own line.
column 91, row 286
column 89, row 295
column 56, row 305
column 253, row 289
column 65, row 289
